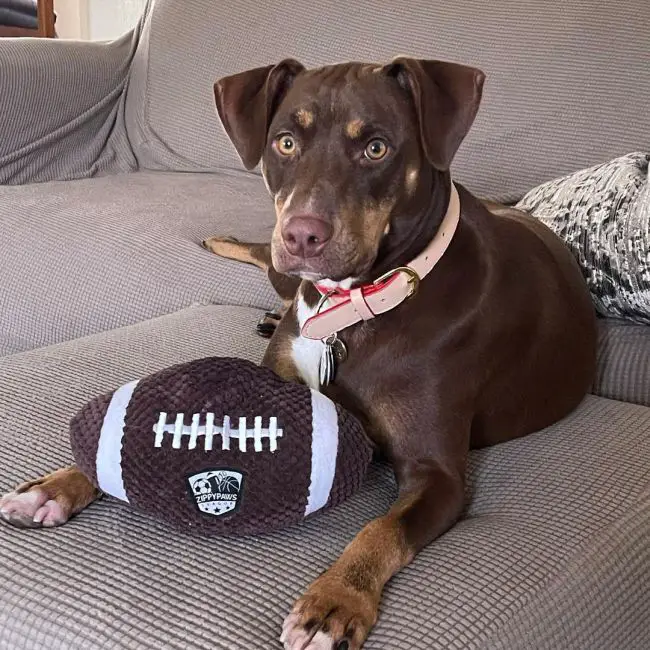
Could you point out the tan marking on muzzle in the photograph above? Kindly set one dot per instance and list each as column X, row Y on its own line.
column 376, row 219
column 282, row 203
column 382, row 215
column 304, row 117
column 279, row 204
column 353, row 128
column 385, row 208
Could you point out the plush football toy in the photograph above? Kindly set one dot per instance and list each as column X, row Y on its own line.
column 221, row 446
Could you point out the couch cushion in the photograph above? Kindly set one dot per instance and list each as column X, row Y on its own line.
column 559, row 519
column 90, row 255
column 623, row 370
column 551, row 83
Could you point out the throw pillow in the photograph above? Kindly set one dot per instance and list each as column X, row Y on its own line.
column 603, row 214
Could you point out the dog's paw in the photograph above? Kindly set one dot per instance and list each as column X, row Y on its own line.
column 32, row 508
column 49, row 501
column 330, row 616
column 219, row 245
column 267, row 325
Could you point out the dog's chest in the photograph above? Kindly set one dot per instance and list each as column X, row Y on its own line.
column 306, row 353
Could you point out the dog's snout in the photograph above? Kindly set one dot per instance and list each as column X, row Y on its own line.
column 306, row 236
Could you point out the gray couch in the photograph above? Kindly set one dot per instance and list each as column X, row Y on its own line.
column 113, row 168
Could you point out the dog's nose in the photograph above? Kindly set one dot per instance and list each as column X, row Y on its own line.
column 306, row 236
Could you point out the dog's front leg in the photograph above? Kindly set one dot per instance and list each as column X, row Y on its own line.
column 340, row 607
column 48, row 501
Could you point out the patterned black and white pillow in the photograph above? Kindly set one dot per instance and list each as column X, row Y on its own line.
column 603, row 214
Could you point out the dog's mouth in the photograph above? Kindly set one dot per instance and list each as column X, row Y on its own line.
column 332, row 264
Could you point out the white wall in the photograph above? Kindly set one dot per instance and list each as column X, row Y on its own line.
column 71, row 19
column 109, row 19
column 98, row 20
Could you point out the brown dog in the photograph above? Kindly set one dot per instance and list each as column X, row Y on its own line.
column 497, row 341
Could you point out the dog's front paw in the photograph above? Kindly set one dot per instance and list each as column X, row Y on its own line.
column 330, row 616
column 49, row 501
column 32, row 508
column 268, row 324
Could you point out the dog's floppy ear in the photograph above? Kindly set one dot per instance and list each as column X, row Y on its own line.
column 446, row 97
column 247, row 101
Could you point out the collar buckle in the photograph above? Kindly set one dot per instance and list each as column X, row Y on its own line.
column 413, row 279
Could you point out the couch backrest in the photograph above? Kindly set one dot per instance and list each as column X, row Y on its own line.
column 568, row 81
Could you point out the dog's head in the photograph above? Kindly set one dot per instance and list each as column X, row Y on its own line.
column 349, row 152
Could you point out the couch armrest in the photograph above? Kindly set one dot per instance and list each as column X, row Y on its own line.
column 59, row 108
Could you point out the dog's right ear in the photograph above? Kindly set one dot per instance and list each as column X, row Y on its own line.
column 247, row 101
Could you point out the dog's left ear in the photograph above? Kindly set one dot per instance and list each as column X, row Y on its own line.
column 446, row 97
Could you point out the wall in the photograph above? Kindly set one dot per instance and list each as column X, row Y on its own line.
column 71, row 18
column 109, row 19
column 98, row 20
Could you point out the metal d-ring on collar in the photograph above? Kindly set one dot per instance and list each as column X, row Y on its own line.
column 323, row 300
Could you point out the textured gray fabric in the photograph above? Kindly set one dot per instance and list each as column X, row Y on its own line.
column 564, row 84
column 547, row 623
column 560, row 518
column 623, row 362
column 603, row 215
column 79, row 257
column 62, row 108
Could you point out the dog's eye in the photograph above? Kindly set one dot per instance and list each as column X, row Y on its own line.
column 285, row 144
column 376, row 149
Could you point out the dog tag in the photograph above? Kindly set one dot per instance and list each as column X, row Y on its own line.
column 339, row 351
column 325, row 369
column 334, row 352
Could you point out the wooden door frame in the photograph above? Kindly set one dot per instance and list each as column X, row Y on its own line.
column 46, row 18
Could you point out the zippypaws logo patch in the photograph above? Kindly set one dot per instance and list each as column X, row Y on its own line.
column 216, row 492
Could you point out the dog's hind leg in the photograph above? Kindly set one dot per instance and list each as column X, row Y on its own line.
column 258, row 255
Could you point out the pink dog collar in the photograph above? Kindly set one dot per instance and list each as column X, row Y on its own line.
column 348, row 307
